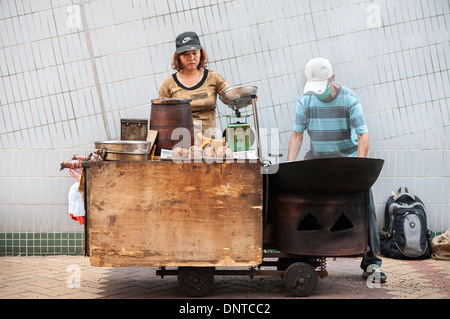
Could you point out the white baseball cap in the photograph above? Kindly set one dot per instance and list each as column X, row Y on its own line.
column 318, row 72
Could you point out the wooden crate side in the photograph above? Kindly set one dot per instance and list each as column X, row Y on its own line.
column 175, row 214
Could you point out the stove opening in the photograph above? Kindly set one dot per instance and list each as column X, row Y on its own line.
column 342, row 223
column 310, row 222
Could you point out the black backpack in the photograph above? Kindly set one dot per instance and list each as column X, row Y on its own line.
column 405, row 233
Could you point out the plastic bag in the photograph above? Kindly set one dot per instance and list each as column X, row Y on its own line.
column 76, row 204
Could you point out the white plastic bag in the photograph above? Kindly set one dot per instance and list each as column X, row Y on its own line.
column 76, row 204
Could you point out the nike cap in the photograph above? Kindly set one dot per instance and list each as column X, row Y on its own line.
column 187, row 41
column 318, row 72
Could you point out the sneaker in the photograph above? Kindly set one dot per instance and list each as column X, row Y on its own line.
column 378, row 274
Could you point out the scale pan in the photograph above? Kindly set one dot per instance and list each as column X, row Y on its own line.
column 238, row 97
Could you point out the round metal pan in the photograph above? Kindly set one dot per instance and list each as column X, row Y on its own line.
column 123, row 146
column 238, row 97
column 341, row 175
column 119, row 156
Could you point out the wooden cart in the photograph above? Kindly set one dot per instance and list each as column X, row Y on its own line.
column 195, row 216
column 206, row 219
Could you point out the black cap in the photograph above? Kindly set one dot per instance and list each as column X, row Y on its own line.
column 187, row 41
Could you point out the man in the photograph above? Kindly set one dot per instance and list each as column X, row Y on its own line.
column 333, row 116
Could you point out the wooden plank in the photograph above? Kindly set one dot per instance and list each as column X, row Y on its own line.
column 161, row 213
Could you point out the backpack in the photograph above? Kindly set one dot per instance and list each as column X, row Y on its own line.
column 405, row 233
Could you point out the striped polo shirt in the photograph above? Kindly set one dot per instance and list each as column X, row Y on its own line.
column 333, row 126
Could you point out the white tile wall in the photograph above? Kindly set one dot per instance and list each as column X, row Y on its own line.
column 397, row 62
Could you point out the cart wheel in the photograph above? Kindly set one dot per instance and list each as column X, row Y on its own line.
column 196, row 281
column 300, row 279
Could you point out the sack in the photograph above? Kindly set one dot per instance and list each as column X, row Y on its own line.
column 405, row 233
column 440, row 246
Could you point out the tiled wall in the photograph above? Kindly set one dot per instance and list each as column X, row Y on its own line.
column 70, row 70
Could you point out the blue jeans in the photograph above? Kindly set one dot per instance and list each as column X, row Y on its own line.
column 373, row 240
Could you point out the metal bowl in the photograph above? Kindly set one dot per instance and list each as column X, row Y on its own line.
column 238, row 97
column 123, row 146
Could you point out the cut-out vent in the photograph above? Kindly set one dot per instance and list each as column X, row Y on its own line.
column 310, row 222
column 342, row 223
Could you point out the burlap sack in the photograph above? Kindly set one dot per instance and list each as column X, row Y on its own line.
column 440, row 246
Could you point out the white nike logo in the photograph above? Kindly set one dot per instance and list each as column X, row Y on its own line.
column 186, row 39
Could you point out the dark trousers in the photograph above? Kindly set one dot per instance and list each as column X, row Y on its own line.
column 373, row 238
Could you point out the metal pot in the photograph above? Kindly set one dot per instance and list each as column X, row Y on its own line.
column 118, row 156
column 238, row 97
column 134, row 147
column 125, row 150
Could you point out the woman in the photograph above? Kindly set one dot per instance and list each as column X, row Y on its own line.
column 193, row 81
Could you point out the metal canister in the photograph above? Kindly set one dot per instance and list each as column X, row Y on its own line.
column 133, row 129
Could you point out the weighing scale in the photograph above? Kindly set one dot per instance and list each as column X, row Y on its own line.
column 238, row 132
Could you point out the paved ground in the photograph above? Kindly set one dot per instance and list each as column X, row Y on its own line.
column 72, row 277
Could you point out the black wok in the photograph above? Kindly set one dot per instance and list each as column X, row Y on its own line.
column 338, row 175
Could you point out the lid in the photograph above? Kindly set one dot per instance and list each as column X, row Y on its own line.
column 134, row 121
column 170, row 101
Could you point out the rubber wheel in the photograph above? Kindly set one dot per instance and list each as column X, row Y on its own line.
column 196, row 281
column 300, row 279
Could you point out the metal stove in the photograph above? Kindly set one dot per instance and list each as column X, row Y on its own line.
column 320, row 207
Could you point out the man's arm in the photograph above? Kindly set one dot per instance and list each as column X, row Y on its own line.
column 363, row 145
column 294, row 145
